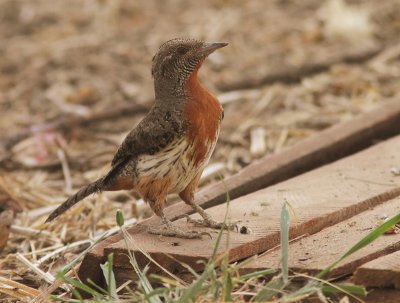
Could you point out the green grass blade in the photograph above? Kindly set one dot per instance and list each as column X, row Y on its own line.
column 344, row 288
column 78, row 284
column 257, row 274
column 277, row 284
column 58, row 299
column 219, row 237
column 74, row 262
column 77, row 294
column 108, row 274
column 228, row 286
column 147, row 288
column 97, row 287
column 308, row 290
column 284, row 223
column 271, row 289
column 191, row 293
column 144, row 282
column 372, row 236
column 157, row 291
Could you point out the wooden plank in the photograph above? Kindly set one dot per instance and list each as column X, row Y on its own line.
column 382, row 296
column 381, row 272
column 374, row 296
column 320, row 198
column 314, row 253
column 324, row 147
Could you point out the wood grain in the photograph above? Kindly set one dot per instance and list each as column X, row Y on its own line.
column 381, row 272
column 320, row 198
column 314, row 253
column 324, row 147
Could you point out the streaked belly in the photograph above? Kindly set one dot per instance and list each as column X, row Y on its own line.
column 175, row 164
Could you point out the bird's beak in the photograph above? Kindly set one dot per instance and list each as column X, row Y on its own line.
column 208, row 48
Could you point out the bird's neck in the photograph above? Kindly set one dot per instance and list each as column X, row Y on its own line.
column 167, row 90
column 180, row 88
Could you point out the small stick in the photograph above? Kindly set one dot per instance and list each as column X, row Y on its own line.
column 237, row 95
column 38, row 212
column 43, row 295
column 13, row 293
column 66, row 122
column 43, row 250
column 48, row 277
column 27, row 231
column 18, row 287
column 4, row 186
column 211, row 171
column 282, row 139
column 115, row 229
column 33, row 250
column 257, row 142
column 60, row 250
column 65, row 169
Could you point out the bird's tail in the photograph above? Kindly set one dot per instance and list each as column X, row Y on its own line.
column 81, row 194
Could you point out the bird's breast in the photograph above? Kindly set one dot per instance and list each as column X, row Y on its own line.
column 176, row 165
column 203, row 114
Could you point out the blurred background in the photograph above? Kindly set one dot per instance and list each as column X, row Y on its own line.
column 75, row 78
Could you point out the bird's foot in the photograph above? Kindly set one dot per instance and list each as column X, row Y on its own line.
column 209, row 222
column 171, row 231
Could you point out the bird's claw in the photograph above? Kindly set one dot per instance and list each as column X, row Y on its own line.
column 168, row 231
column 212, row 224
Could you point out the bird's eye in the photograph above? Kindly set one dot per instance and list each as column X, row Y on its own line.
column 181, row 50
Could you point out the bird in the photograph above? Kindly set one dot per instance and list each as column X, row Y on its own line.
column 170, row 147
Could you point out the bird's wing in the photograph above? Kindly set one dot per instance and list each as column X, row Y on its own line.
column 158, row 129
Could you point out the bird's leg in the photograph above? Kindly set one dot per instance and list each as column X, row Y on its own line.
column 207, row 220
column 169, row 230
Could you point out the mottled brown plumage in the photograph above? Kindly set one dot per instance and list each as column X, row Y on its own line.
column 169, row 148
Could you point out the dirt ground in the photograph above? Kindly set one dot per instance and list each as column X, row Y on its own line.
column 292, row 68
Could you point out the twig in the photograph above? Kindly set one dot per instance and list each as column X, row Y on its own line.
column 43, row 250
column 67, row 272
column 115, row 229
column 281, row 140
column 42, row 296
column 65, row 169
column 41, row 211
column 211, row 171
column 66, row 122
column 5, row 187
column 234, row 96
column 17, row 290
column 49, row 278
column 60, row 250
column 257, row 142
column 294, row 74
column 29, row 232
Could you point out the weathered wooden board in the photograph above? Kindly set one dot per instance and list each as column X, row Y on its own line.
column 374, row 296
column 382, row 296
column 320, row 198
column 324, row 147
column 381, row 272
column 314, row 253
column 328, row 145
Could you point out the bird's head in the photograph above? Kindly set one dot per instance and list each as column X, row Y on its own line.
column 177, row 59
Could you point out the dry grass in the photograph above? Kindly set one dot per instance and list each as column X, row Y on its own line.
column 83, row 57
